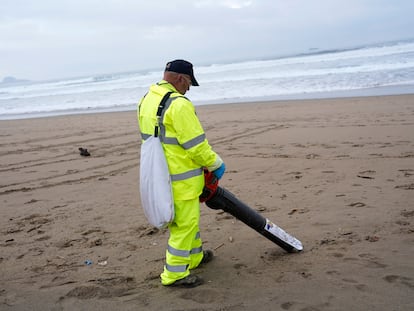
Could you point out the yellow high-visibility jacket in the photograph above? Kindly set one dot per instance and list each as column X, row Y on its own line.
column 183, row 139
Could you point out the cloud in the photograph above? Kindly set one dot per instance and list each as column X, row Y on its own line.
column 231, row 4
column 46, row 39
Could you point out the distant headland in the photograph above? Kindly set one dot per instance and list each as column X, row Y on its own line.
column 13, row 80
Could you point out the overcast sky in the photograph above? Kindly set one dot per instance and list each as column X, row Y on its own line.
column 48, row 39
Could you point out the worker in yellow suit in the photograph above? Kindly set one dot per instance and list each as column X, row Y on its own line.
column 187, row 152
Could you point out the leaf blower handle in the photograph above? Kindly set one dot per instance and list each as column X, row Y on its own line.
column 210, row 186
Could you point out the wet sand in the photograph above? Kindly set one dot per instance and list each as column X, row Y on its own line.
column 336, row 173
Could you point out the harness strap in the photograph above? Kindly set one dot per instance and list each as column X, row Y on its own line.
column 159, row 111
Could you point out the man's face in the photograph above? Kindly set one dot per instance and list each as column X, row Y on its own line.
column 184, row 83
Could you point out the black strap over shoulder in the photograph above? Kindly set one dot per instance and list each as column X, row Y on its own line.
column 160, row 109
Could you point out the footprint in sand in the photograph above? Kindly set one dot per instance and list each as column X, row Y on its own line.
column 357, row 285
column 407, row 172
column 405, row 225
column 203, row 295
column 36, row 219
column 405, row 187
column 287, row 305
column 400, row 279
column 305, row 274
column 297, row 175
column 29, row 223
column 104, row 288
column 371, row 261
column 407, row 214
column 368, row 174
column 357, row 204
column 43, row 238
column 147, row 231
column 238, row 266
column 312, row 156
column 361, row 287
column 87, row 292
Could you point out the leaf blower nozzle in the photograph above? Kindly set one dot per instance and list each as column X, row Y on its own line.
column 216, row 197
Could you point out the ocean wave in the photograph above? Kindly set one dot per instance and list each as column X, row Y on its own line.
column 370, row 66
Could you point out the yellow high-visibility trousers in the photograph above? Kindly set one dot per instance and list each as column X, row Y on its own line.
column 184, row 250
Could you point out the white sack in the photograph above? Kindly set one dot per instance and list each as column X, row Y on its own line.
column 155, row 184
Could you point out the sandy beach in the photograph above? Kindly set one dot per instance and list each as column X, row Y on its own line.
column 336, row 173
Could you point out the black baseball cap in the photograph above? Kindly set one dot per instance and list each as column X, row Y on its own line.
column 184, row 67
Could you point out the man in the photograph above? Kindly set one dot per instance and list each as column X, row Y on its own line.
column 187, row 152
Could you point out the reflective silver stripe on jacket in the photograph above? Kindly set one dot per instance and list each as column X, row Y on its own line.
column 181, row 268
column 197, row 235
column 187, row 175
column 173, row 141
column 194, row 142
column 167, row 140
